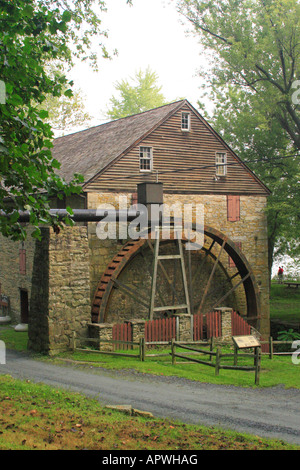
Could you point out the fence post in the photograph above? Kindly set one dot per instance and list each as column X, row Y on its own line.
column 257, row 364
column 270, row 347
column 218, row 359
column 235, row 361
column 211, row 348
column 142, row 349
column 173, row 350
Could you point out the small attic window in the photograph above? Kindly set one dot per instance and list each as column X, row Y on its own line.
column 146, row 159
column 221, row 164
column 185, row 122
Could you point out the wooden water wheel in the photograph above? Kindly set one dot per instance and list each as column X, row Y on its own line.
column 206, row 271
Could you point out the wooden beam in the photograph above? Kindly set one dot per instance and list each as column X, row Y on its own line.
column 200, row 266
column 231, row 290
column 210, row 277
column 131, row 292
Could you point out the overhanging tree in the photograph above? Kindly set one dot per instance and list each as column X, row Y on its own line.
column 32, row 34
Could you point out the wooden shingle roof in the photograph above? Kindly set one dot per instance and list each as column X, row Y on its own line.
column 90, row 151
column 108, row 155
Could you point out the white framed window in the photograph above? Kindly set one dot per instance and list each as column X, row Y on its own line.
column 221, row 164
column 146, row 159
column 185, row 122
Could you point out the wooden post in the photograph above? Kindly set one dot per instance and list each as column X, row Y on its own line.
column 141, row 349
column 173, row 349
column 211, row 348
column 271, row 347
column 257, row 364
column 218, row 360
column 235, row 355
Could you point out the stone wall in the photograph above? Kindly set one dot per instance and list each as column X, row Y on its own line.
column 60, row 303
column 250, row 231
column 11, row 278
column 62, row 270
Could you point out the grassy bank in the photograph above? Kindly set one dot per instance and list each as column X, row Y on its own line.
column 278, row 371
column 34, row 416
column 284, row 303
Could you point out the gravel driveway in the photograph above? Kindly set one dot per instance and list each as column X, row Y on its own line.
column 269, row 412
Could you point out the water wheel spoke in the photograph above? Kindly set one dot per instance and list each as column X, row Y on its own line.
column 211, row 277
column 231, row 290
column 200, row 265
column 191, row 293
column 133, row 293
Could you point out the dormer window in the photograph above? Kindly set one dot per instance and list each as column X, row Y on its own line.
column 185, row 122
column 221, row 164
column 146, row 159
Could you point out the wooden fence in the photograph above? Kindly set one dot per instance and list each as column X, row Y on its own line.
column 239, row 326
column 268, row 348
column 163, row 329
column 205, row 326
column 122, row 335
column 218, row 356
column 139, row 346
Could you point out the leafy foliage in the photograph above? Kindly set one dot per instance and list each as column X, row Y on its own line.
column 289, row 335
column 34, row 33
column 254, row 48
column 254, row 45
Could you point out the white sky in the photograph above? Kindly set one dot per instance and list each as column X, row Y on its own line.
column 149, row 33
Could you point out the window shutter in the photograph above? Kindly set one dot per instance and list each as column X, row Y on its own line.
column 134, row 199
column 233, row 208
column 22, row 260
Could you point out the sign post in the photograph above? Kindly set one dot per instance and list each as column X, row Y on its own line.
column 247, row 342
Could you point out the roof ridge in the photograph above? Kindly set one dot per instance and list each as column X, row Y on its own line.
column 123, row 118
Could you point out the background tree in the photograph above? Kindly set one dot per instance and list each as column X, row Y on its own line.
column 254, row 44
column 66, row 113
column 32, row 34
column 139, row 94
column 254, row 47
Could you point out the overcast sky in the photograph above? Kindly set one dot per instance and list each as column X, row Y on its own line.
column 147, row 34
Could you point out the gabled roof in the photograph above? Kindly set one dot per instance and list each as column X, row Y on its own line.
column 90, row 151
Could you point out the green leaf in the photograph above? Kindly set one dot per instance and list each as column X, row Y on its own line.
column 66, row 16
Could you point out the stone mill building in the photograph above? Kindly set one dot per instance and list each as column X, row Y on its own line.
column 73, row 278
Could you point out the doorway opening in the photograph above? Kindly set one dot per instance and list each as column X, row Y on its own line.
column 24, row 305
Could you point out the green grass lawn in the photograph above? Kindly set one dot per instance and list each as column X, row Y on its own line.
column 38, row 417
column 284, row 303
column 34, row 416
column 277, row 371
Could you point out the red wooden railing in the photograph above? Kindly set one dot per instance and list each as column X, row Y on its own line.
column 205, row 326
column 122, row 332
column 163, row 329
column 213, row 325
column 239, row 326
column 198, row 327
